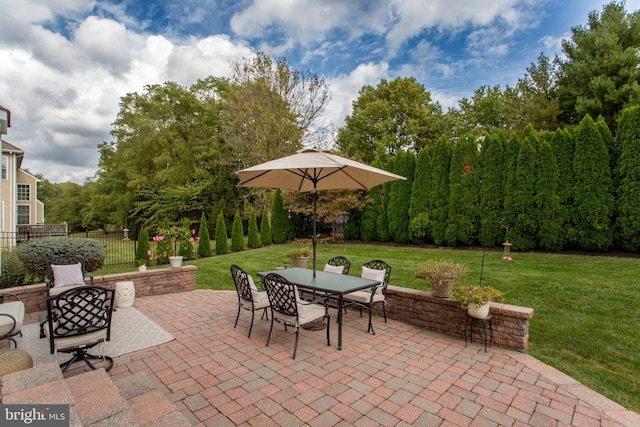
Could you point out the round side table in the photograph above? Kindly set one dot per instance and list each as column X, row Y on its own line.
column 125, row 294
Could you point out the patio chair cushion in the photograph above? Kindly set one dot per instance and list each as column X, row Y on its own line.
column 255, row 293
column 338, row 269
column 312, row 312
column 67, row 275
column 301, row 312
column 372, row 274
column 263, row 303
column 364, row 297
column 14, row 309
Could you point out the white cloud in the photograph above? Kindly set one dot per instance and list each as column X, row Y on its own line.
column 106, row 42
column 345, row 89
column 65, row 93
column 306, row 21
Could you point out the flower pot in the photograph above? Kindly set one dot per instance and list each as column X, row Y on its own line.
column 479, row 311
column 301, row 262
column 175, row 261
column 443, row 288
column 142, row 267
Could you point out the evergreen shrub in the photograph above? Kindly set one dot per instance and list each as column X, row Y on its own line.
column 36, row 254
column 222, row 240
column 13, row 270
column 204, row 245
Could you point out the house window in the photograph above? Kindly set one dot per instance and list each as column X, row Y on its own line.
column 4, row 167
column 23, row 192
column 24, row 216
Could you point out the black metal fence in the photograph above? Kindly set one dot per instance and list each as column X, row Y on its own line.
column 120, row 250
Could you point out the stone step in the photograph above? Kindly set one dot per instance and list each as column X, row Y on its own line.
column 93, row 398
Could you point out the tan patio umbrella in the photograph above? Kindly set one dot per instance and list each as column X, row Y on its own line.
column 312, row 169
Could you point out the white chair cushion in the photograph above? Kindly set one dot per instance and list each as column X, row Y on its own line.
column 312, row 312
column 75, row 341
column 338, row 269
column 263, row 303
column 301, row 312
column 255, row 294
column 15, row 309
column 67, row 275
column 364, row 297
column 372, row 274
column 60, row 289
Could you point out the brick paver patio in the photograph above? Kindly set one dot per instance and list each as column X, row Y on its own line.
column 403, row 375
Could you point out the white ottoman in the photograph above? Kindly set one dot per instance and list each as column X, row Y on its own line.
column 125, row 294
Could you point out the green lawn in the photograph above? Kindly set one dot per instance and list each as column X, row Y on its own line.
column 586, row 320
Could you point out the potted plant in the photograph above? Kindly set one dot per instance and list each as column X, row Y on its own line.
column 141, row 264
column 299, row 256
column 443, row 275
column 477, row 299
column 166, row 244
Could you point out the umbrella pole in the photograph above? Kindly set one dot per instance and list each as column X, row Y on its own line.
column 315, row 234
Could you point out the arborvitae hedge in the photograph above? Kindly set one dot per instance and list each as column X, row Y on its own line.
column 439, row 200
column 222, row 239
column 511, row 150
column 492, row 190
column 628, row 172
column 143, row 247
column 253, row 236
column 369, row 216
column 563, row 148
column 382, row 221
column 265, row 228
column 398, row 212
column 419, row 222
column 593, row 202
column 464, row 189
column 237, row 234
column 610, row 142
column 279, row 219
column 204, row 245
column 550, row 227
column 187, row 241
column 524, row 229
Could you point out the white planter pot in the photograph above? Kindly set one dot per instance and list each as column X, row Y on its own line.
column 479, row 311
column 175, row 261
column 142, row 267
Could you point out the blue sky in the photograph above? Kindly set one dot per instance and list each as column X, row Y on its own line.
column 67, row 63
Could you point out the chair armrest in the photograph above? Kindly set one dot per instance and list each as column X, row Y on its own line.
column 13, row 328
column 91, row 280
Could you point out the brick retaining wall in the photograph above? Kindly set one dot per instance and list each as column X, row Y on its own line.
column 419, row 308
column 510, row 323
column 152, row 282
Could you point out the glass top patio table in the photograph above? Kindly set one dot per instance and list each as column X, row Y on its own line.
column 330, row 283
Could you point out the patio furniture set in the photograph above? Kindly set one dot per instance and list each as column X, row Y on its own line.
column 330, row 288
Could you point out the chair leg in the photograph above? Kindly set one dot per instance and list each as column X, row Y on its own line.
column 384, row 310
column 270, row 330
column 80, row 355
column 251, row 324
column 370, row 322
column 329, row 323
column 295, row 345
column 237, row 316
